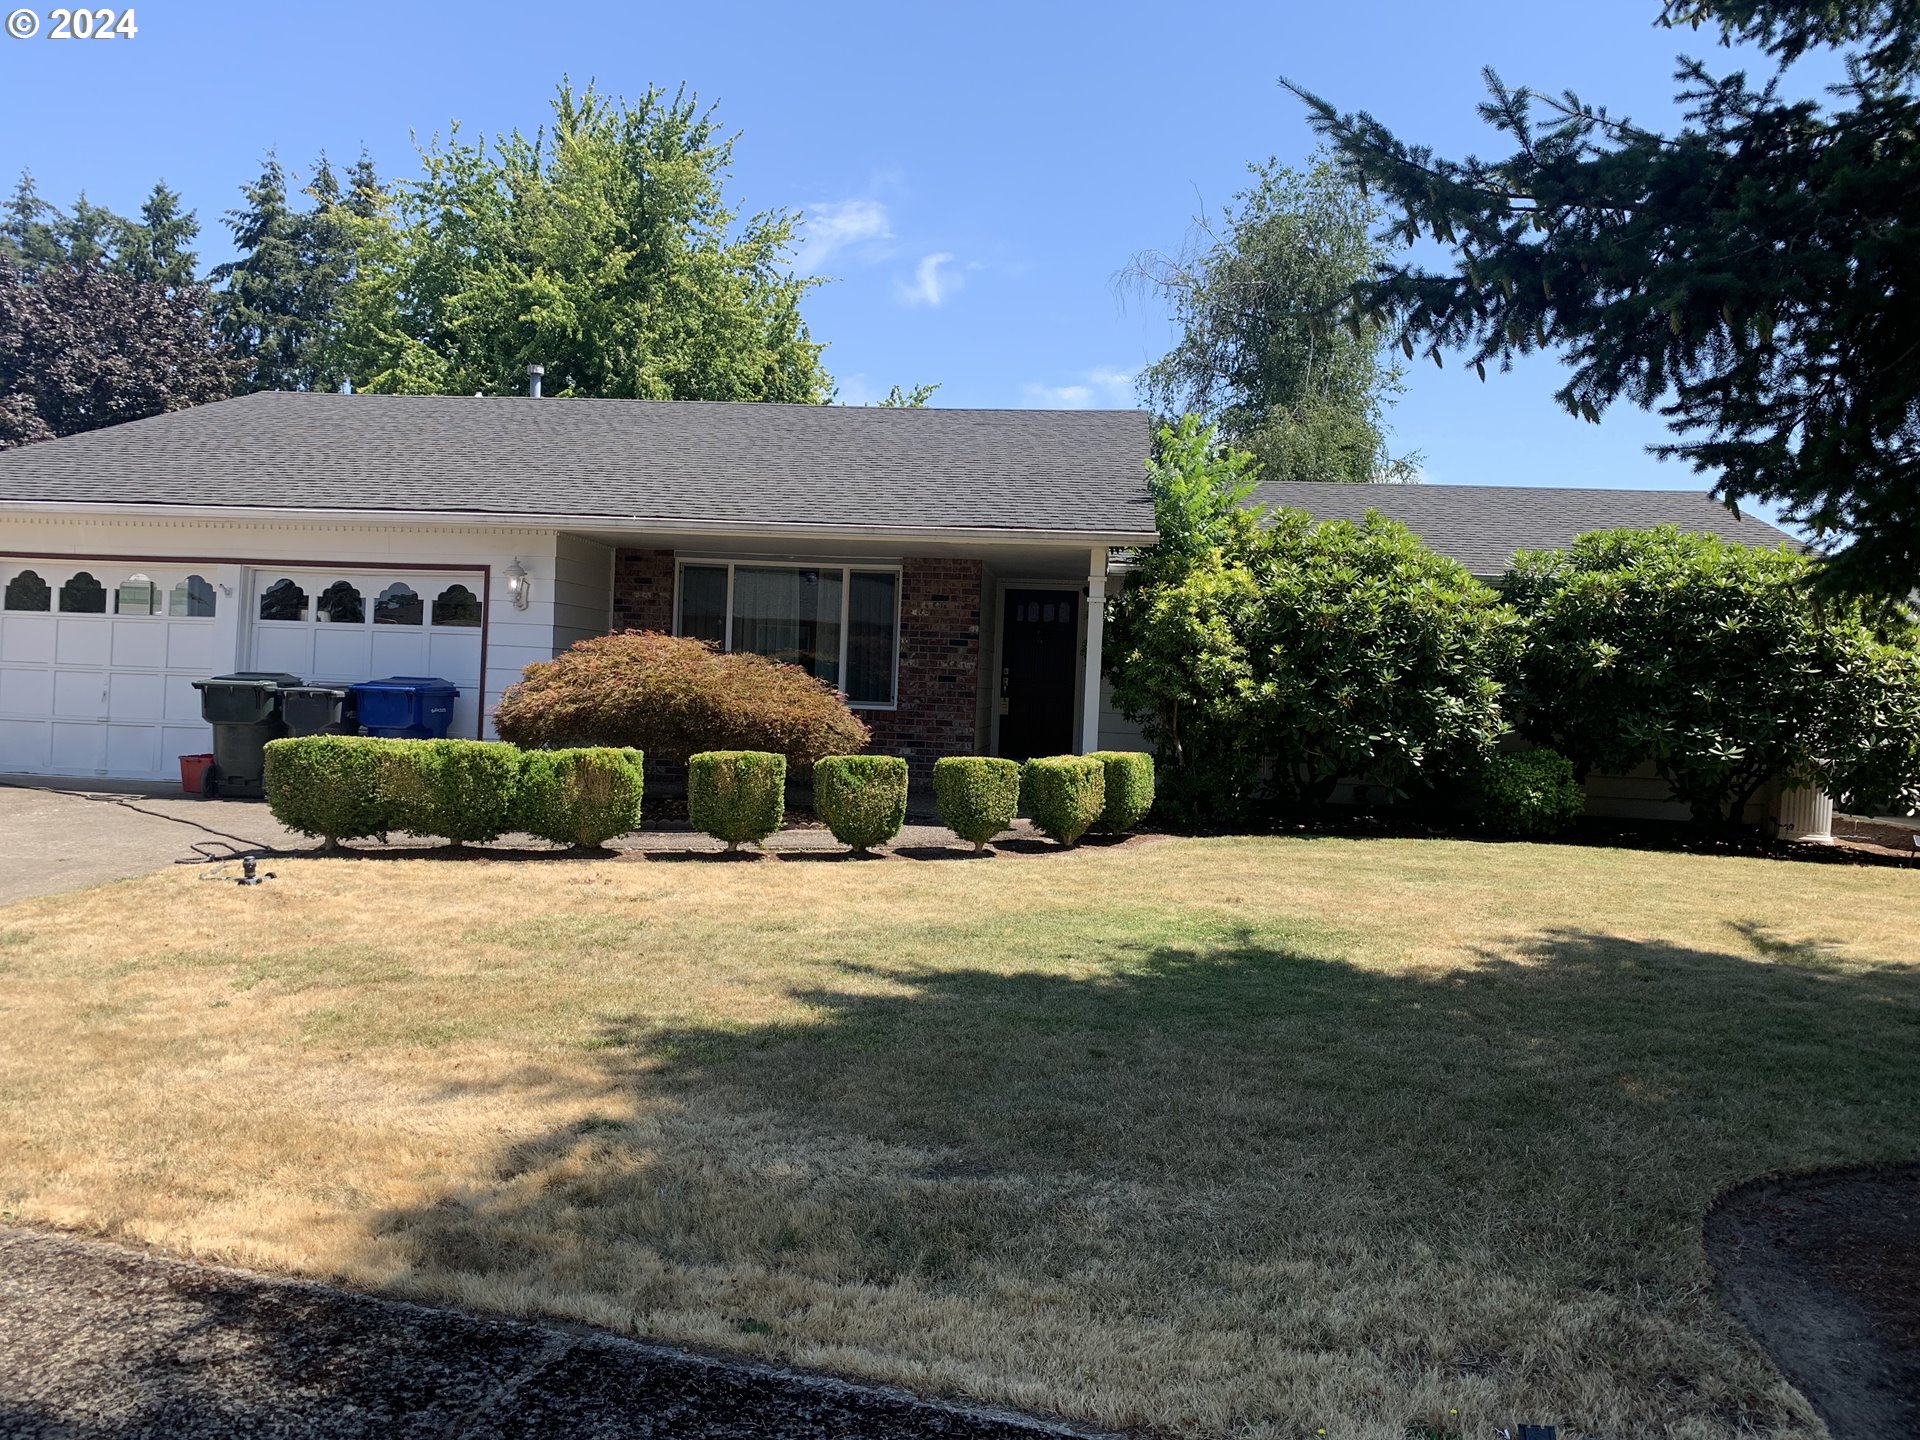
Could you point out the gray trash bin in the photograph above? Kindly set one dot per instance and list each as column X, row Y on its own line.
column 318, row 710
column 244, row 710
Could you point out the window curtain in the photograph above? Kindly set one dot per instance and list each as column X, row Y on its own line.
column 789, row 615
column 870, row 623
column 703, row 603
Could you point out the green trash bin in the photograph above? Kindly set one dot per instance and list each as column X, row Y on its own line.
column 244, row 710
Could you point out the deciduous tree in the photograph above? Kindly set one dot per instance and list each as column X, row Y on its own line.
column 81, row 348
column 1709, row 659
column 604, row 248
column 1266, row 352
column 1327, row 651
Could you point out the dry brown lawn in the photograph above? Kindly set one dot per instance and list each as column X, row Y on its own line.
column 1249, row 1137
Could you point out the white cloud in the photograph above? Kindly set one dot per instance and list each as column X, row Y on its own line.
column 857, row 390
column 860, row 226
column 1102, row 388
column 931, row 285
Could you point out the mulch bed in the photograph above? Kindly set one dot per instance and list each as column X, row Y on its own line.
column 1824, row 1270
column 1890, row 836
column 102, row 1341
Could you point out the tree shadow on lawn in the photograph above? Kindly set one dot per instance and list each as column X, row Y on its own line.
column 1222, row 1182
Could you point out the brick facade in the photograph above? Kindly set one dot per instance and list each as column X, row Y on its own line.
column 940, row 641
column 940, row 606
column 643, row 590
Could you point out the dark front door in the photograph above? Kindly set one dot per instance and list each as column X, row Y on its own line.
column 1039, row 654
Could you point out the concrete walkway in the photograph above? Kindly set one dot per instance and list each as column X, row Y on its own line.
column 99, row 1341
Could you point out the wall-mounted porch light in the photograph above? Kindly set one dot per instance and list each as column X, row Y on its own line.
column 519, row 584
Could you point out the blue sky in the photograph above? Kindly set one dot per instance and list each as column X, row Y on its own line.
column 976, row 174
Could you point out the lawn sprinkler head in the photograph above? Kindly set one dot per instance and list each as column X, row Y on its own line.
column 250, row 872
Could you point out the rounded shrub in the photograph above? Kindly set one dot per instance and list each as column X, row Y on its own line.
column 977, row 796
column 1063, row 794
column 675, row 698
column 1529, row 792
column 737, row 795
column 328, row 786
column 1129, row 789
column 580, row 797
column 461, row 790
column 862, row 798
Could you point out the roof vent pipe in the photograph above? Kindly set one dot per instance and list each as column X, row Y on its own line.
column 534, row 372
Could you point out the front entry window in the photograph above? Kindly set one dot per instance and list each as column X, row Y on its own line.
column 837, row 623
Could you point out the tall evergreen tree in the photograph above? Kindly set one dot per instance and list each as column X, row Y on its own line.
column 88, row 232
column 1753, row 275
column 280, row 304
column 365, row 193
column 27, row 233
column 328, row 236
column 157, row 247
column 260, row 303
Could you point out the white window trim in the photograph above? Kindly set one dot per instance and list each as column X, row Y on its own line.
column 846, row 569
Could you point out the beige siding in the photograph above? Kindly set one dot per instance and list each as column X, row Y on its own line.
column 1640, row 794
column 582, row 590
column 1116, row 731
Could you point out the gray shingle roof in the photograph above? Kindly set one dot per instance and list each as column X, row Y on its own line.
column 1482, row 526
column 785, row 466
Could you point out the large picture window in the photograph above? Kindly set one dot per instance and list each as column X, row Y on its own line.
column 839, row 623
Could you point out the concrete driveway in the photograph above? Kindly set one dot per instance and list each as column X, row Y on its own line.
column 55, row 838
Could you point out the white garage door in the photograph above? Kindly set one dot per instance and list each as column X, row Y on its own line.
column 96, row 660
column 341, row 625
column 97, row 657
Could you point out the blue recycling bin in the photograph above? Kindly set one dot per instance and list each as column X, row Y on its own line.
column 405, row 707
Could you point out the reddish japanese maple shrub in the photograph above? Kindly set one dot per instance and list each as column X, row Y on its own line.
column 674, row 698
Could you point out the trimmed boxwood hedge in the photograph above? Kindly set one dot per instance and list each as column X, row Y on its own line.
column 737, row 795
column 862, row 798
column 1129, row 789
column 461, row 790
column 1529, row 792
column 977, row 796
column 1063, row 794
column 582, row 797
column 345, row 787
column 328, row 786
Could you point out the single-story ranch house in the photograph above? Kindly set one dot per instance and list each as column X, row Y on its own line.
column 944, row 568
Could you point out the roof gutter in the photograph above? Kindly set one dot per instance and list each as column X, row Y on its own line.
column 633, row 523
